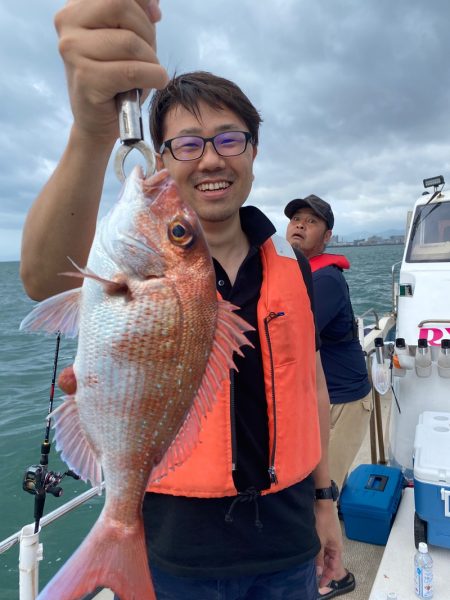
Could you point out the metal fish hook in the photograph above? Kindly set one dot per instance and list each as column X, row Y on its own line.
column 131, row 133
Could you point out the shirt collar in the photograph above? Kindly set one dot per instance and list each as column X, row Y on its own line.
column 256, row 226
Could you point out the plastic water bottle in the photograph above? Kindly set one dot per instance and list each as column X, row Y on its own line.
column 443, row 360
column 423, row 358
column 423, row 572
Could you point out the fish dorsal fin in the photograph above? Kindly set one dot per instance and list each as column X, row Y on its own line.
column 58, row 313
column 229, row 337
column 71, row 441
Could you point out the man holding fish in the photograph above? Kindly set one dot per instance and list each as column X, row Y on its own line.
column 244, row 507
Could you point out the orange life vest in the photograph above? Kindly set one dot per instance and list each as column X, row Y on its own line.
column 287, row 337
column 325, row 260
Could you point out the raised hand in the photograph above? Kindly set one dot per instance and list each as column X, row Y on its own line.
column 108, row 46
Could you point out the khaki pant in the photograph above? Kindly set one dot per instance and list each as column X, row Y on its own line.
column 348, row 426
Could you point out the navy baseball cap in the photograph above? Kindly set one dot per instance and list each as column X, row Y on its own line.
column 319, row 206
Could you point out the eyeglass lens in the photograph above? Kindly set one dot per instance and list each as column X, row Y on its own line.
column 229, row 143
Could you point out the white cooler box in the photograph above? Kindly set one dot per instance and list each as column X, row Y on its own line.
column 432, row 475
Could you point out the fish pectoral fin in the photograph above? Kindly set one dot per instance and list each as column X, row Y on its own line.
column 58, row 313
column 112, row 288
column 229, row 337
column 76, row 450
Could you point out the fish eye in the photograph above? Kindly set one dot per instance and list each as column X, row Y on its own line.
column 181, row 233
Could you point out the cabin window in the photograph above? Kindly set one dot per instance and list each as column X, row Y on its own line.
column 430, row 234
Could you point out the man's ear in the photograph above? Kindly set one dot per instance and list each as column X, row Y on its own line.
column 327, row 235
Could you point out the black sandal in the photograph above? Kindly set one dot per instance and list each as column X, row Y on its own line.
column 342, row 586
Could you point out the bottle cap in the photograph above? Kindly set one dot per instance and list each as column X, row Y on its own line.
column 423, row 547
column 400, row 343
column 379, row 343
column 422, row 343
column 445, row 343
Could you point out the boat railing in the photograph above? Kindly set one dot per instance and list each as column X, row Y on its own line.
column 7, row 543
column 394, row 287
column 374, row 326
column 31, row 550
column 370, row 311
column 425, row 321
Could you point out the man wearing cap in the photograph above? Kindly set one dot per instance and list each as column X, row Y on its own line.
column 310, row 227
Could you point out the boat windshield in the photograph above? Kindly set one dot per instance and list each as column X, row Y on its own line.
column 430, row 234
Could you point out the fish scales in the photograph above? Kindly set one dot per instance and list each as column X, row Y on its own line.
column 155, row 344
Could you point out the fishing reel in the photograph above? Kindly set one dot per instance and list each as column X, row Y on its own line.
column 38, row 481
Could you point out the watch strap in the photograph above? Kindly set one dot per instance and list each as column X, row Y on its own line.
column 328, row 493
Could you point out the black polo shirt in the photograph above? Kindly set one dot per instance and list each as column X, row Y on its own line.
column 198, row 537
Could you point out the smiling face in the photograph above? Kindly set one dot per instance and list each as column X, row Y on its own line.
column 308, row 232
column 214, row 186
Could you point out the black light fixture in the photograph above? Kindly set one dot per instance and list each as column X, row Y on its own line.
column 433, row 181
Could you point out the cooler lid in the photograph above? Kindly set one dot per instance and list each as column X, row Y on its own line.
column 372, row 487
column 432, row 448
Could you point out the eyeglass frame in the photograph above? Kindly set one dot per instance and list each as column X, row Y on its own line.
column 168, row 144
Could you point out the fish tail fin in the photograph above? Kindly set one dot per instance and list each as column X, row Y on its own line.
column 110, row 558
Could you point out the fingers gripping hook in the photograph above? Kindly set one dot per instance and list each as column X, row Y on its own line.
column 131, row 133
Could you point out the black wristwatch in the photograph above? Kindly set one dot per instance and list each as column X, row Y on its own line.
column 328, row 493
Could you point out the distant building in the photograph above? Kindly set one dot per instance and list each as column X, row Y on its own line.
column 397, row 239
column 373, row 240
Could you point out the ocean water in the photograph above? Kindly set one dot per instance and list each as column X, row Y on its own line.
column 26, row 368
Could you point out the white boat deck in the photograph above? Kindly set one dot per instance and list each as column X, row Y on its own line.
column 396, row 570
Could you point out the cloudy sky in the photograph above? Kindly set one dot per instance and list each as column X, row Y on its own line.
column 354, row 94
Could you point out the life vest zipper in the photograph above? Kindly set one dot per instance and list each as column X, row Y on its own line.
column 267, row 320
column 233, row 421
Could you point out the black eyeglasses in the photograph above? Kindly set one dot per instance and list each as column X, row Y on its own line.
column 192, row 147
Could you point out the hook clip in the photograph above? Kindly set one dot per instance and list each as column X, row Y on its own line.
column 131, row 133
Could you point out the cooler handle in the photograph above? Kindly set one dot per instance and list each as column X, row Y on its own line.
column 445, row 496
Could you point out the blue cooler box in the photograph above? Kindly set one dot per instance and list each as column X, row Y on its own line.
column 369, row 502
column 432, row 475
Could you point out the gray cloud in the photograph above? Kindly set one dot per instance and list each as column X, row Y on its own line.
column 354, row 97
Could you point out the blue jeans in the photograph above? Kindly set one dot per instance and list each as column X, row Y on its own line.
column 299, row 583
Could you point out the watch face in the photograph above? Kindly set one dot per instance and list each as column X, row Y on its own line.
column 329, row 493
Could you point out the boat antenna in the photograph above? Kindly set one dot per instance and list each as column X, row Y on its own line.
column 38, row 480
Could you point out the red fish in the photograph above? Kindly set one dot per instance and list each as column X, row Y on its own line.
column 155, row 344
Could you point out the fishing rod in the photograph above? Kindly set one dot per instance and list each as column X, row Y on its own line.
column 38, row 480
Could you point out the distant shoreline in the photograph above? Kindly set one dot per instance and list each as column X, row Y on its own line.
column 329, row 246
column 351, row 245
